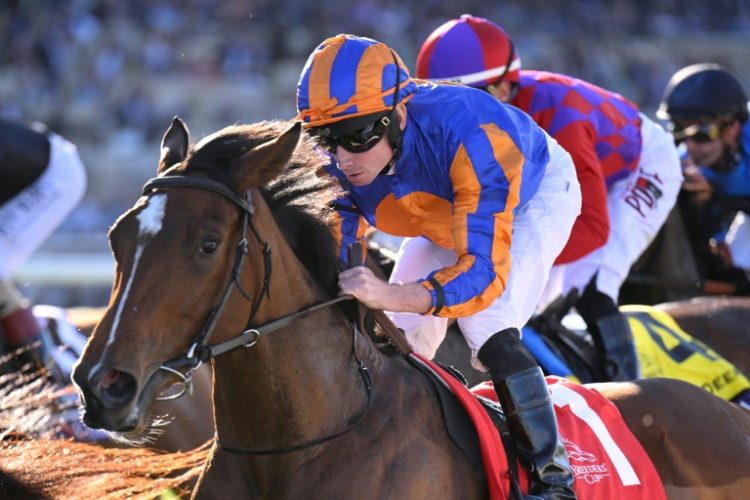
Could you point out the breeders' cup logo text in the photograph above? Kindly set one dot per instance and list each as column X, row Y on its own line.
column 587, row 468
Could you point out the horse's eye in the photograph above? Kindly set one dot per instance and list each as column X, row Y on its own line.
column 208, row 247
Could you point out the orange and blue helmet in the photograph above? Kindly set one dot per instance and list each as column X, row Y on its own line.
column 348, row 76
column 469, row 50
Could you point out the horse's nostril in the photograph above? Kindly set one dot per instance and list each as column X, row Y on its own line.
column 116, row 388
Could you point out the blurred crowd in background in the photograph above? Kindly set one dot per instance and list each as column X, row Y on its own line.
column 110, row 74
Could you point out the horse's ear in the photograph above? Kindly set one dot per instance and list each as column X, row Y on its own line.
column 174, row 145
column 266, row 161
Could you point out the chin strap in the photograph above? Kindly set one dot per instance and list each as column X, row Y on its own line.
column 395, row 137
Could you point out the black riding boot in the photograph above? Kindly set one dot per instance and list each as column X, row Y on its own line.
column 524, row 397
column 617, row 348
column 611, row 333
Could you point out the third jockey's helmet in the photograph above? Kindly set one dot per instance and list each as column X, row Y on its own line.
column 703, row 91
column 469, row 50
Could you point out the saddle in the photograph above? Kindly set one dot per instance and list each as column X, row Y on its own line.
column 606, row 459
column 664, row 350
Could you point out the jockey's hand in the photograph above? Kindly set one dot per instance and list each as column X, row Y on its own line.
column 697, row 185
column 375, row 293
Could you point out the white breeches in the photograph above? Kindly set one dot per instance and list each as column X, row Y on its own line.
column 540, row 230
column 638, row 207
column 30, row 217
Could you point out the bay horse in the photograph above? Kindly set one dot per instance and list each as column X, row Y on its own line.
column 50, row 403
column 230, row 256
column 719, row 322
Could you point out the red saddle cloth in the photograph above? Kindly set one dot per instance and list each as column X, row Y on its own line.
column 606, row 458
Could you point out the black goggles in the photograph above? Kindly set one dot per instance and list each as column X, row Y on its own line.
column 358, row 141
column 697, row 132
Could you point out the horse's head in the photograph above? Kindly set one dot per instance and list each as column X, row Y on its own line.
column 177, row 253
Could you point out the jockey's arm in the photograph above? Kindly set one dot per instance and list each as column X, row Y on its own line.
column 481, row 234
column 378, row 294
column 486, row 166
column 591, row 229
column 349, row 228
column 360, row 282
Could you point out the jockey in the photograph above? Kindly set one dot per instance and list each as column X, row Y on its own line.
column 459, row 174
column 41, row 180
column 708, row 113
column 627, row 166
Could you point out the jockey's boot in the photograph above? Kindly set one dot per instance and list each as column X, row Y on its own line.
column 611, row 334
column 616, row 346
column 524, row 397
column 20, row 334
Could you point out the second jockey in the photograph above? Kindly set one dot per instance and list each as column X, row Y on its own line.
column 627, row 166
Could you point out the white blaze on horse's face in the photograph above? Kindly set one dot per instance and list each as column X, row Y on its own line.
column 151, row 217
column 149, row 224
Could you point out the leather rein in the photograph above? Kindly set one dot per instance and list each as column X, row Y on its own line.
column 200, row 351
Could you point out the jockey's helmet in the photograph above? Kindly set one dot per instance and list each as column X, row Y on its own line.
column 348, row 77
column 469, row 50
column 702, row 92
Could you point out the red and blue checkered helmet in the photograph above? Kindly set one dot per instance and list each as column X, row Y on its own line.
column 468, row 50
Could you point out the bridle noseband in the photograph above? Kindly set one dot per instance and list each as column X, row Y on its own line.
column 200, row 351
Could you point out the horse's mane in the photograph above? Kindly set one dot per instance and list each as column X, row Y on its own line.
column 299, row 198
column 67, row 469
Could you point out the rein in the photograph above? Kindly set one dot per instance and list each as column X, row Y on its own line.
column 201, row 351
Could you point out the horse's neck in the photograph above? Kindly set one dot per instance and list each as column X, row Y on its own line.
column 296, row 384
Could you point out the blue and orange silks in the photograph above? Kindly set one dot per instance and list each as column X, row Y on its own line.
column 467, row 163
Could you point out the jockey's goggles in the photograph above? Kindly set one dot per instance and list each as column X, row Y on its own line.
column 358, row 140
column 697, row 132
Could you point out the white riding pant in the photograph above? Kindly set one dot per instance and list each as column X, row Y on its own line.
column 541, row 228
column 30, row 217
column 638, row 206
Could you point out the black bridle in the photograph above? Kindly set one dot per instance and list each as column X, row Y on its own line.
column 200, row 351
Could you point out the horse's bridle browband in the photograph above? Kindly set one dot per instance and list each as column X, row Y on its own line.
column 200, row 351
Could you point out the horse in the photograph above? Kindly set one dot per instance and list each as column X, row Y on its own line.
column 719, row 322
column 187, row 423
column 230, row 256
column 36, row 463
